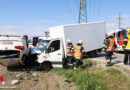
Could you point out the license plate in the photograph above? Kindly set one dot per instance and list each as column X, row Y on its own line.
column 7, row 43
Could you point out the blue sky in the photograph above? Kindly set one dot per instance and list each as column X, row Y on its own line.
column 29, row 16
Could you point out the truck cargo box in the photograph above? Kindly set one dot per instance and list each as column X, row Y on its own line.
column 92, row 34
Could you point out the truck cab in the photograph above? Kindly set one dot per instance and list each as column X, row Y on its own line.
column 53, row 55
column 119, row 38
column 35, row 50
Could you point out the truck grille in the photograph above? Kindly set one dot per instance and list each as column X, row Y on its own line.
column 7, row 54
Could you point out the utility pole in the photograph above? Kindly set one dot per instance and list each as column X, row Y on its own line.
column 119, row 21
column 82, row 12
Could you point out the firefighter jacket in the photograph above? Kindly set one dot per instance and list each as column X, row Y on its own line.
column 111, row 44
column 78, row 52
column 126, row 44
column 69, row 50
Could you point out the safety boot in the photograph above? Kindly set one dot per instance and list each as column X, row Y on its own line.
column 109, row 64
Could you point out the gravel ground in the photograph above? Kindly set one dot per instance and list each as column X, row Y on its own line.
column 50, row 80
column 117, row 61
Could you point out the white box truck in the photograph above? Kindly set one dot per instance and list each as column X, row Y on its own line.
column 92, row 35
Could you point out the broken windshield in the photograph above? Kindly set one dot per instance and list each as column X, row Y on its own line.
column 42, row 45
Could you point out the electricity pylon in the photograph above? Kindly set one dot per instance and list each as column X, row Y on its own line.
column 82, row 12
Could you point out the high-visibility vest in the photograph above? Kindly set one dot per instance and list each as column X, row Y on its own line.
column 111, row 44
column 69, row 51
column 105, row 42
column 127, row 47
column 77, row 52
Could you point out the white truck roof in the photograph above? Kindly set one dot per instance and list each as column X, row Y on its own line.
column 92, row 34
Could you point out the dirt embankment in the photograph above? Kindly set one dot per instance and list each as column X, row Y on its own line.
column 45, row 80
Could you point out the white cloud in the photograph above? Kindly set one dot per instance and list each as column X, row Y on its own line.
column 15, row 30
column 9, row 27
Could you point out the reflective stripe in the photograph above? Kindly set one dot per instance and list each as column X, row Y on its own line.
column 77, row 48
column 125, row 39
column 111, row 42
column 83, row 50
column 108, row 60
column 75, row 68
column 70, row 64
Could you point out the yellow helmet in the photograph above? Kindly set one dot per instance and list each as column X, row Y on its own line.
column 128, row 30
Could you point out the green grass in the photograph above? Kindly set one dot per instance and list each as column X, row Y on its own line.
column 89, row 77
column 57, row 86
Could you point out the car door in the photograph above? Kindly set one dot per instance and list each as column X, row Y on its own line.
column 55, row 51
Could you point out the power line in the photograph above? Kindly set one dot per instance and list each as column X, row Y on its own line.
column 69, row 9
column 76, row 2
column 93, row 7
column 77, row 7
column 99, row 10
column 90, row 7
column 119, row 21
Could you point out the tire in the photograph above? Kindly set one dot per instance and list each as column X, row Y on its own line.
column 93, row 54
column 46, row 66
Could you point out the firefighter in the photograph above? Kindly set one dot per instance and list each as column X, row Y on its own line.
column 126, row 47
column 110, row 48
column 69, row 53
column 78, row 54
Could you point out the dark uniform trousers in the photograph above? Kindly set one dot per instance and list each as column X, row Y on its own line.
column 70, row 59
column 127, row 57
column 108, row 55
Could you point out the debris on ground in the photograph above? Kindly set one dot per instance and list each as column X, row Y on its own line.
column 19, row 77
column 35, row 79
column 26, row 78
column 67, row 81
column 10, row 73
column 34, row 75
column 13, row 82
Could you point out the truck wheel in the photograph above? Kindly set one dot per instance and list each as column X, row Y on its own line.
column 46, row 66
column 93, row 54
column 24, row 59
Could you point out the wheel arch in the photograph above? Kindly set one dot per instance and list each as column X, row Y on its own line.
column 47, row 62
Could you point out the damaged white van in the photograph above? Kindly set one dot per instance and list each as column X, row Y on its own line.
column 13, row 50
